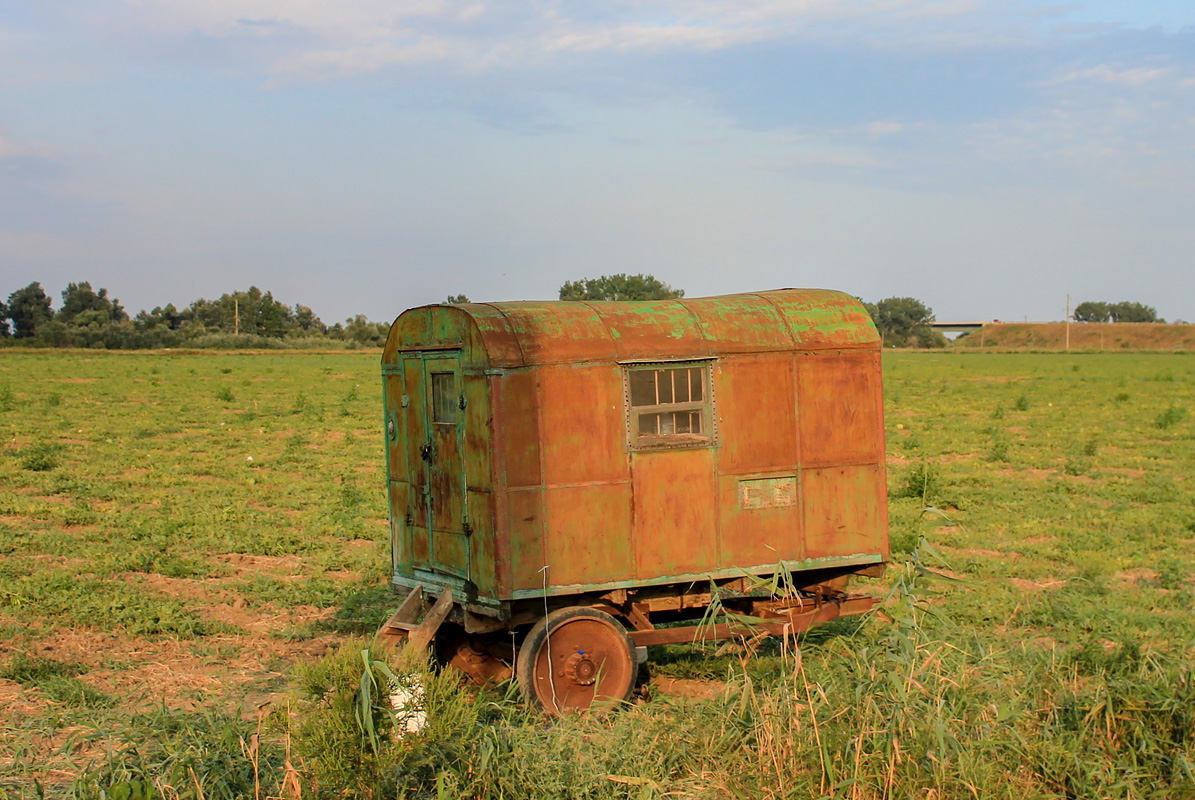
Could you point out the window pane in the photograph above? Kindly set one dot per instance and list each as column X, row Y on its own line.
column 664, row 385
column 680, row 380
column 697, row 381
column 643, row 387
column 444, row 400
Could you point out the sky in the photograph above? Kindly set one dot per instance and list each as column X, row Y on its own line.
column 367, row 156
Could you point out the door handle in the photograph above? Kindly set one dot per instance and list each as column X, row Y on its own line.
column 427, row 452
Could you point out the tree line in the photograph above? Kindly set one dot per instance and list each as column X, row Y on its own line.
column 1123, row 311
column 252, row 318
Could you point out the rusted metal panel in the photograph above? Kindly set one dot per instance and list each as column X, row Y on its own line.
column 400, row 535
column 502, row 346
column 414, row 417
column 757, row 401
column 555, row 333
column 645, row 330
column 483, row 555
column 582, row 427
column 478, row 453
column 519, row 426
column 445, row 458
column 588, row 530
column 839, row 414
column 396, row 461
column 524, row 538
column 819, row 319
column 675, row 516
column 743, row 323
column 842, row 511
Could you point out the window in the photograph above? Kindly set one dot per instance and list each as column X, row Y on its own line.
column 444, row 398
column 669, row 406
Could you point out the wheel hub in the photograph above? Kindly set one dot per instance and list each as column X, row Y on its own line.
column 580, row 669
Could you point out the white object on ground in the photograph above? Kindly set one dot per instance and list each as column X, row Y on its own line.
column 408, row 701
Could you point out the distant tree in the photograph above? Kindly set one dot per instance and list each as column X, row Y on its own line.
column 168, row 317
column 904, row 322
column 3, row 320
column 1090, row 311
column 55, row 334
column 456, row 299
column 79, row 300
column 307, row 321
column 253, row 312
column 1123, row 311
column 1132, row 312
column 619, row 287
column 361, row 330
column 29, row 309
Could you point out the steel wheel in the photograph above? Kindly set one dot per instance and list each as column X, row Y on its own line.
column 576, row 659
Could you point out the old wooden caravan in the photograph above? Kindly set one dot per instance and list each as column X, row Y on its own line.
column 588, row 467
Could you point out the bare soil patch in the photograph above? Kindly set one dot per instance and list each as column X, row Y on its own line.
column 687, row 687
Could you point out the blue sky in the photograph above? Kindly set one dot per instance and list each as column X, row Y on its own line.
column 365, row 156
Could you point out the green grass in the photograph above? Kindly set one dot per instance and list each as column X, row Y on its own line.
column 208, row 527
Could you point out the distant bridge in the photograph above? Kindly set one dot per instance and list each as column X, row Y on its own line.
column 957, row 327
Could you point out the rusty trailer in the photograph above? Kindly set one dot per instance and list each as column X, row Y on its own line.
column 570, row 482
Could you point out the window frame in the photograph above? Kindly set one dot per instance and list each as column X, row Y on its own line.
column 670, row 441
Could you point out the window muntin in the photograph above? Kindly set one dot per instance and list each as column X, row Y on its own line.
column 669, row 406
column 444, row 401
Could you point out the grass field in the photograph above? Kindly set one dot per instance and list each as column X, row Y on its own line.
column 193, row 552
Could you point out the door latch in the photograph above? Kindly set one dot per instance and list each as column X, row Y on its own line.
column 427, row 452
column 466, row 528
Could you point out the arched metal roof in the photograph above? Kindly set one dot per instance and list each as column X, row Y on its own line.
column 519, row 334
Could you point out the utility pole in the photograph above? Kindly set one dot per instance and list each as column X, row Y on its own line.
column 236, row 316
column 1068, row 321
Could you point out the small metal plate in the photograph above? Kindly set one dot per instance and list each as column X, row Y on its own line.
column 768, row 493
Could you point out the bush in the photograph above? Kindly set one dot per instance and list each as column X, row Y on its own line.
column 921, row 482
column 41, row 457
column 1169, row 417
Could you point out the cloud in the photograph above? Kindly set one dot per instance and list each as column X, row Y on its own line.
column 1136, row 76
column 362, row 36
column 10, row 149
